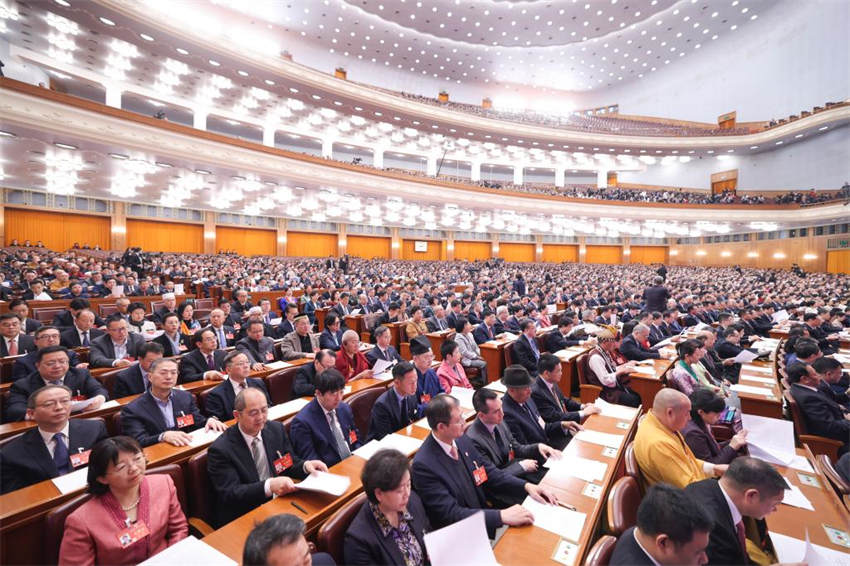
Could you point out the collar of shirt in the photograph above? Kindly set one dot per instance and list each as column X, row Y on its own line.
column 48, row 436
column 250, row 439
column 236, row 386
column 551, row 387
column 654, row 561
column 160, row 402
column 807, row 386
column 736, row 515
column 447, row 448
column 490, row 427
column 384, row 523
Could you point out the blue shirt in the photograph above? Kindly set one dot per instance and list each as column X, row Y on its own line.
column 165, row 408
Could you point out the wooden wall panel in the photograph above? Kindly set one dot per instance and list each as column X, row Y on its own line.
column 603, row 254
column 512, row 251
column 648, row 254
column 368, row 246
column 57, row 230
column 557, row 253
column 436, row 250
column 473, row 250
column 154, row 236
column 311, row 244
column 246, row 241
column 838, row 261
column 736, row 253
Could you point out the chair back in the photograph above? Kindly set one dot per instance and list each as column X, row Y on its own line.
column 280, row 383
column 54, row 526
column 361, row 404
column 45, row 315
column 509, row 354
column 332, row 532
column 589, row 387
column 838, row 483
column 796, row 414
column 107, row 309
column 600, row 553
column 632, row 468
column 623, row 502
column 201, row 498
column 202, row 400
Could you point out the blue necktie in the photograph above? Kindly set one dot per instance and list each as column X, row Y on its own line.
column 86, row 338
column 60, row 454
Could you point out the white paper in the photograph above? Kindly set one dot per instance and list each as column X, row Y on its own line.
column 615, row 411
column 277, row 365
column 496, row 386
column 771, row 440
column 509, row 336
column 200, row 437
column 588, row 327
column 80, row 405
column 110, row 404
column 422, row 423
column 178, row 289
column 463, row 395
column 648, row 370
column 791, row 550
column 844, row 359
column 405, row 444
column 576, row 467
column 567, row 355
column 368, row 450
column 752, row 389
column 757, row 369
column 802, row 464
column 381, row 366
column 355, row 312
column 117, row 291
column 151, row 335
column 463, row 542
column 70, row 483
column 325, row 482
column 664, row 342
column 757, row 379
column 745, row 356
column 556, row 519
column 189, row 552
column 551, row 309
column 275, row 321
column 277, row 412
column 601, row 438
column 796, row 498
column 779, row 316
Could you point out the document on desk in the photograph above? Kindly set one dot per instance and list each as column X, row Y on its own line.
column 463, row 542
column 772, row 440
column 202, row 436
column 407, row 445
column 463, row 395
column 496, row 386
column 289, row 408
column 780, row 316
column 110, row 404
column 759, row 379
column 664, row 342
column 568, row 466
column 601, row 438
column 556, row 519
column 422, row 423
column 275, row 321
column 551, row 309
column 77, row 406
column 745, row 357
column 790, row 550
column 69, row 483
column 752, row 389
column 509, row 336
column 795, row 498
column 325, row 482
column 757, row 369
column 189, row 552
column 842, row 358
column 615, row 411
column 648, row 370
column 381, row 366
column 802, row 464
column 277, row 365
column 567, row 355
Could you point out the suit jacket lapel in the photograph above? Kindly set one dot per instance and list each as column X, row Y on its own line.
column 41, row 455
column 242, row 453
column 154, row 411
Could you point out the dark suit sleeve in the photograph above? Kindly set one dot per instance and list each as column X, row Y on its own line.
column 91, row 387
column 230, row 491
column 303, row 384
column 516, row 427
column 20, row 370
column 189, row 370
column 214, row 405
column 631, row 351
column 133, row 425
column 523, row 356
column 302, row 439
column 98, row 356
column 120, row 388
column 16, row 406
column 381, row 423
column 358, row 545
column 816, row 410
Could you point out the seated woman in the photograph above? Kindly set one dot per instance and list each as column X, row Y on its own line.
column 188, row 324
column 706, row 408
column 415, row 325
column 131, row 516
column 451, row 372
column 604, row 370
column 389, row 527
column 138, row 322
column 688, row 374
column 470, row 353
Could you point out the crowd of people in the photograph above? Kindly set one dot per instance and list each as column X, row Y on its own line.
column 620, row 312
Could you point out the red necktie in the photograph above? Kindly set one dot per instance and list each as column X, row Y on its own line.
column 742, row 536
column 13, row 347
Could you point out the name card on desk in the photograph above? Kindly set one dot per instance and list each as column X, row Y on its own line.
column 70, row 483
column 289, row 408
column 325, row 482
column 556, row 519
column 189, row 551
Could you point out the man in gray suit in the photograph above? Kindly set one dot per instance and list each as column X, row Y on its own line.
column 116, row 348
column 494, row 440
column 299, row 343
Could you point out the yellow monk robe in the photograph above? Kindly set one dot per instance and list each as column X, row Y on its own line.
column 663, row 456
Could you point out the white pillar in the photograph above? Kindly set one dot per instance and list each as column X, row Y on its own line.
column 559, row 176
column 518, row 174
column 327, row 147
column 431, row 165
column 475, row 171
column 199, row 119
column 269, row 131
column 113, row 96
column 601, row 179
column 378, row 157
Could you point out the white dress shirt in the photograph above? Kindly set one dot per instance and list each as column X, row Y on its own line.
column 50, row 442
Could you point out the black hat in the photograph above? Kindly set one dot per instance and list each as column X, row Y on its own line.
column 516, row 376
column 419, row 345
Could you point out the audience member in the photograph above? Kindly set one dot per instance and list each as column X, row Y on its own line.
column 279, row 541
column 221, row 398
column 706, row 409
column 397, row 406
column 134, row 380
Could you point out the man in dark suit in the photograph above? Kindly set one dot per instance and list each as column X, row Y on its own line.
column 486, row 330
column 226, row 334
column 117, row 348
column 341, row 308
column 304, row 384
column 823, row 416
column 172, row 341
column 558, row 340
column 437, row 322
column 750, row 488
column 65, row 319
column 169, row 306
column 13, row 342
column 82, row 330
column 690, row 318
column 220, row 400
column 383, row 350
column 324, row 429
column 522, row 415
column 671, row 530
column 134, row 379
column 205, row 361
column 45, row 336
column 447, row 475
column 635, row 346
column 52, row 366
column 552, row 404
column 397, row 406
column 525, row 350
column 281, row 538
column 57, row 446
column 163, row 413
column 655, row 297
column 20, row 308
column 331, row 337
column 253, row 460
column 657, row 331
column 241, row 305
column 287, row 324
column 258, row 348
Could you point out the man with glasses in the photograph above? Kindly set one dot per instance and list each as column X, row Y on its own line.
column 220, row 400
column 225, row 334
column 57, row 446
column 117, row 348
column 45, row 336
column 13, row 342
column 134, row 379
column 253, row 460
column 205, row 361
column 52, row 367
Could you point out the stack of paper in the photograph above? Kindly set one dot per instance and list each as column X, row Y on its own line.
column 601, row 438
column 325, row 482
column 752, row 389
column 69, row 483
column 202, row 436
column 407, row 445
column 615, row 411
column 463, row 395
column 795, row 498
column 463, row 542
column 80, row 405
column 771, row 440
column 556, row 519
column 110, row 404
column 281, row 410
column 382, row 366
column 779, row 316
column 496, row 386
column 791, row 551
column 277, row 365
column 189, row 551
column 576, row 467
column 744, row 357
column 648, row 370
column 757, row 369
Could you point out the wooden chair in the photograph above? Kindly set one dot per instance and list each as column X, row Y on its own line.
column 600, row 553
column 280, row 383
column 361, row 404
column 107, row 309
column 509, row 354
column 201, row 498
column 331, row 534
column 45, row 314
column 588, row 393
column 622, row 505
column 404, row 343
column 632, row 467
column 818, row 444
column 841, row 487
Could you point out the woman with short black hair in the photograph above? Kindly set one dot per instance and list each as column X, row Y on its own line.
column 706, row 408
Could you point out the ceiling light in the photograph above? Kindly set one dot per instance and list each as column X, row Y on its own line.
column 214, row 63
column 119, row 156
column 64, row 145
column 164, row 165
column 182, row 51
column 824, row 128
column 106, row 21
column 146, row 37
column 6, row 134
column 62, row 3
column 202, row 171
column 242, row 73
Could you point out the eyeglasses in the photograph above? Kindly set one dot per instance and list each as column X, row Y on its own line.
column 66, row 402
column 138, row 461
column 51, row 363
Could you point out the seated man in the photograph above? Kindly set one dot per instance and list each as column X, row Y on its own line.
column 823, row 416
column 494, row 441
column 279, row 541
column 522, row 415
column 205, row 361
column 749, row 488
column 163, row 413
column 225, row 334
column 13, row 341
column 173, row 342
column 832, row 381
column 324, row 429
column 553, row 405
column 220, row 399
column 134, row 379
column 258, row 348
column 427, row 381
column 287, row 324
column 525, row 350
column 116, row 348
column 558, row 340
column 397, row 406
column 671, row 530
column 299, row 343
column 52, row 367
column 57, row 446
column 45, row 336
column 635, row 346
column 305, row 376
column 661, row 452
column 20, row 308
column 253, row 460
column 81, row 331
column 485, row 331
column 383, row 350
column 447, row 475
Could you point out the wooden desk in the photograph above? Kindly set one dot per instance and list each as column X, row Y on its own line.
column 320, row 318
column 648, row 385
column 569, row 371
column 437, row 339
column 493, row 352
column 354, row 322
column 395, row 333
column 757, row 404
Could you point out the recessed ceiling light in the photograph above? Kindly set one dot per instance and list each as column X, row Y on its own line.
column 754, row 147
column 146, row 37
column 824, row 128
column 65, row 145
column 337, row 103
column 293, row 89
column 242, row 73
column 798, row 136
column 780, row 142
column 62, row 3
column 106, row 21
column 6, row 134
column 182, row 51
column 215, row 63
column 119, row 156
column 202, row 171
column 164, row 165
column 269, row 82
column 316, row 97
column 359, row 109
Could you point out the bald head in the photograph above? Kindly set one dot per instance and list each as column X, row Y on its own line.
column 668, row 398
column 672, row 408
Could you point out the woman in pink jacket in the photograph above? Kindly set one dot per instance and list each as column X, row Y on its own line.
column 451, row 372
